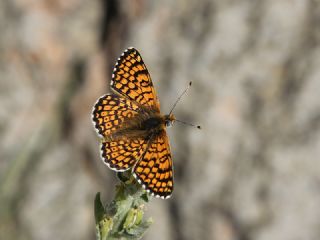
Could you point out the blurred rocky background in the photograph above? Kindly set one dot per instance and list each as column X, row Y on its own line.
column 252, row 172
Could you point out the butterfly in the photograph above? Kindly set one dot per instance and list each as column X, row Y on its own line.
column 132, row 129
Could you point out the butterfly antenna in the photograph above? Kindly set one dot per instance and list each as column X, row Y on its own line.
column 183, row 93
column 189, row 124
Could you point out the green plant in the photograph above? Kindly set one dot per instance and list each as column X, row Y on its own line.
column 123, row 217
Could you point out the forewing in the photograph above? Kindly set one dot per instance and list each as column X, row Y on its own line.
column 122, row 154
column 155, row 171
column 131, row 79
column 110, row 113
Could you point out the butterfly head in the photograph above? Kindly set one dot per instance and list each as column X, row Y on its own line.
column 169, row 120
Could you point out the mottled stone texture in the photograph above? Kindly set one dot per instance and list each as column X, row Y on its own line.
column 252, row 172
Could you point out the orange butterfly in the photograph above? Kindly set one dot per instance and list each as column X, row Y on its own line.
column 132, row 127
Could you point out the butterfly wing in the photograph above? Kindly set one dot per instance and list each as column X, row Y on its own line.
column 150, row 158
column 122, row 154
column 154, row 170
column 111, row 112
column 131, row 79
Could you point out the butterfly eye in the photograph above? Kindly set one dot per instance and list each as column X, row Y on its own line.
column 169, row 123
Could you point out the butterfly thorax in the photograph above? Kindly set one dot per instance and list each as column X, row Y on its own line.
column 147, row 125
column 157, row 122
column 152, row 124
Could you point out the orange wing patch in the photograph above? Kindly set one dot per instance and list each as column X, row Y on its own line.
column 131, row 79
column 110, row 112
column 122, row 154
column 154, row 171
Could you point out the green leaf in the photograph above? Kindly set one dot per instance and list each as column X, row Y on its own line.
column 98, row 208
column 137, row 231
column 105, row 226
column 145, row 197
column 139, row 216
column 130, row 219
